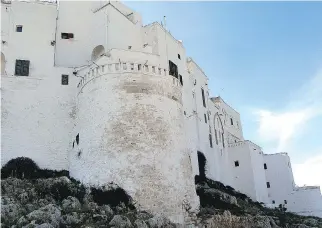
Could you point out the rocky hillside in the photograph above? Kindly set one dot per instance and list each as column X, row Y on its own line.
column 32, row 197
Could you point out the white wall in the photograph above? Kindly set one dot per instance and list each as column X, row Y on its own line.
column 257, row 162
column 243, row 177
column 306, row 201
column 37, row 111
column 234, row 130
column 279, row 175
column 131, row 132
column 89, row 31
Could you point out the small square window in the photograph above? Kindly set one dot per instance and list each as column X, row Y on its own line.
column 179, row 57
column 268, row 184
column 273, row 201
column 265, row 166
column 65, row 35
column 236, row 163
column 22, row 67
column 285, row 201
column 19, row 28
column 64, row 79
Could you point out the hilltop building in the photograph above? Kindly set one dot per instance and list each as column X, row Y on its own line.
column 86, row 87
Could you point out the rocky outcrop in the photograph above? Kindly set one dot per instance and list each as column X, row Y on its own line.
column 48, row 199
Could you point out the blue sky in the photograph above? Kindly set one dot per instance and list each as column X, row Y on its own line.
column 265, row 60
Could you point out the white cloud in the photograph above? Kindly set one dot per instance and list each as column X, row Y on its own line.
column 309, row 172
column 282, row 125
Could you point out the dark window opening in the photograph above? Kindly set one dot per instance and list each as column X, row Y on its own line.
column 273, row 201
column 179, row 57
column 268, row 184
column 203, row 97
column 139, row 66
column 77, row 139
column 208, row 117
column 265, row 166
column 64, row 79
column 285, row 201
column 67, row 35
column 223, row 140
column 173, row 69
column 184, row 112
column 202, row 164
column 22, row 67
column 216, row 137
column 236, row 163
column 210, row 140
column 180, row 78
column 205, row 118
column 19, row 28
column 73, row 144
column 231, row 121
column 79, row 154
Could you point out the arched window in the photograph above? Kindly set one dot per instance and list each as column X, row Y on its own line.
column 3, row 64
column 97, row 52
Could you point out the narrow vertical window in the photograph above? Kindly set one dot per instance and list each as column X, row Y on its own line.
column 216, row 137
column 265, row 166
column 203, row 97
column 223, row 140
column 205, row 118
column 64, row 79
column 210, row 140
column 180, row 78
column 268, row 184
column 231, row 121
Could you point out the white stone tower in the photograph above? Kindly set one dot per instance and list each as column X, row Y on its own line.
column 130, row 131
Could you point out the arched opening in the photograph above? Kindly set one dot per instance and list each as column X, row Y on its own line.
column 97, row 52
column 3, row 64
column 202, row 164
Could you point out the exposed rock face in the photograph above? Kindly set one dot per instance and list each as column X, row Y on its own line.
column 53, row 202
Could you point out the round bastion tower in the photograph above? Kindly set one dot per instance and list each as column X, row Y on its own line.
column 129, row 131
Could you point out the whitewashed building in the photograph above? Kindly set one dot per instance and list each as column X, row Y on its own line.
column 109, row 99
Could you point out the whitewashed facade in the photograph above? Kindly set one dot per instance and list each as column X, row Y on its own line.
column 109, row 99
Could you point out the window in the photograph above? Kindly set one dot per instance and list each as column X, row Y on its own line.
column 67, row 35
column 223, row 140
column 180, row 78
column 265, row 166
column 231, row 121
column 139, row 66
column 273, row 201
column 208, row 116
column 153, row 69
column 236, row 163
column 19, row 28
column 210, row 140
column 203, row 97
column 77, row 139
column 173, row 69
column 22, row 67
column 205, row 118
column 179, row 57
column 285, row 201
column 268, row 184
column 64, row 79
column 216, row 136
